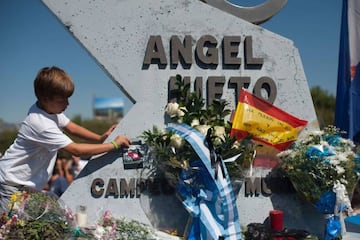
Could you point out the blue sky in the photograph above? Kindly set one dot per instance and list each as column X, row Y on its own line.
column 31, row 38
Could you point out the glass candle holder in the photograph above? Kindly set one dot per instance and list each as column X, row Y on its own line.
column 81, row 216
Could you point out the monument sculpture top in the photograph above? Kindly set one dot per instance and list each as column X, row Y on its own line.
column 218, row 52
column 256, row 15
column 143, row 45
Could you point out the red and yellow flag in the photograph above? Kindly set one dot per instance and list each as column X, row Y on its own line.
column 264, row 122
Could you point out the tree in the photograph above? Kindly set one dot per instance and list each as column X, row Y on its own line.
column 324, row 104
column 7, row 137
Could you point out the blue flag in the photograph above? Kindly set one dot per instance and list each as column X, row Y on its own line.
column 347, row 114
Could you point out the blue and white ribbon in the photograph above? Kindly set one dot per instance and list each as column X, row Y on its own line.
column 211, row 202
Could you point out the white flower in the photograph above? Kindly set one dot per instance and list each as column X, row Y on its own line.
column 99, row 232
column 334, row 160
column 343, row 181
column 203, row 129
column 340, row 170
column 325, row 144
column 342, row 197
column 172, row 109
column 16, row 206
column 309, row 135
column 342, row 157
column 220, row 132
column 181, row 111
column 285, row 153
column 237, row 145
column 195, row 122
column 316, row 133
column 176, row 141
column 347, row 142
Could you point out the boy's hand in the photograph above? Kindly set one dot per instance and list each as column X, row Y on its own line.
column 122, row 141
column 107, row 133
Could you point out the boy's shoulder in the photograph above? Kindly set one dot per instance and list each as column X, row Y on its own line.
column 39, row 119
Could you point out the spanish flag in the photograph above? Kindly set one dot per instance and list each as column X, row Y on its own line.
column 264, row 122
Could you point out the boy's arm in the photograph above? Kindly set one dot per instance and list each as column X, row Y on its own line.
column 86, row 149
column 79, row 131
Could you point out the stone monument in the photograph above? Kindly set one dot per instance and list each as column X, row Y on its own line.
column 143, row 45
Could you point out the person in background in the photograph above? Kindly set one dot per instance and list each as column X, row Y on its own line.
column 77, row 165
column 64, row 168
column 58, row 183
column 28, row 163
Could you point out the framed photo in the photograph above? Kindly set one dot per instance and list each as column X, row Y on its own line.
column 134, row 156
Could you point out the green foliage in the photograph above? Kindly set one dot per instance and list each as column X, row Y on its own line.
column 77, row 119
column 193, row 107
column 324, row 104
column 38, row 230
column 132, row 230
column 110, row 228
column 34, row 215
column 7, row 137
column 95, row 125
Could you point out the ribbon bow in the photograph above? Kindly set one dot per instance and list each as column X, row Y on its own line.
column 211, row 202
column 215, row 155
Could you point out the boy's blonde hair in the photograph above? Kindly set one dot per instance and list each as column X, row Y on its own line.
column 51, row 82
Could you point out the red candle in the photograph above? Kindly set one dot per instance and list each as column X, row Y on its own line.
column 276, row 220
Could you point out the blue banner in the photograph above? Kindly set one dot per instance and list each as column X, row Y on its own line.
column 209, row 200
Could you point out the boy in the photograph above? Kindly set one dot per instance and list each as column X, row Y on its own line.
column 29, row 161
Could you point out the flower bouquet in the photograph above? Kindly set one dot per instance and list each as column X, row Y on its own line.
column 108, row 228
column 171, row 153
column 197, row 155
column 321, row 166
column 35, row 215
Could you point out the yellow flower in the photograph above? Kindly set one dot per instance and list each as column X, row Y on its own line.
column 14, row 197
column 21, row 222
column 17, row 199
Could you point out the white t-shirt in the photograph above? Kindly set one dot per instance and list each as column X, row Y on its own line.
column 30, row 160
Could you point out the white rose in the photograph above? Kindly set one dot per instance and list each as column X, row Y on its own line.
column 176, row 141
column 195, row 122
column 172, row 109
column 220, row 132
column 99, row 232
column 203, row 129
column 181, row 111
